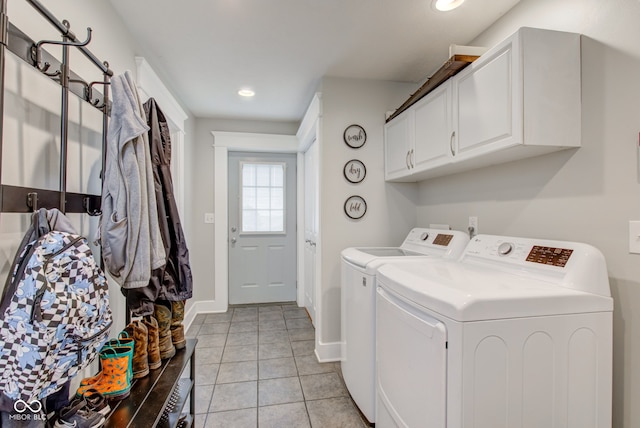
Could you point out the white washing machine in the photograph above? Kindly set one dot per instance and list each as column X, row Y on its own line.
column 359, row 267
column 515, row 334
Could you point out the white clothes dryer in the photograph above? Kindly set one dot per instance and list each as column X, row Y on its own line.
column 359, row 266
column 516, row 333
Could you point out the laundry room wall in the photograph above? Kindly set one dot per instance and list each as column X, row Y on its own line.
column 390, row 206
column 202, row 163
column 32, row 117
column 587, row 194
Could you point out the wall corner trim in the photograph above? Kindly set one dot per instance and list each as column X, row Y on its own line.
column 150, row 85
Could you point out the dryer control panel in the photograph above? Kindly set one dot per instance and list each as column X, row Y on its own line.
column 444, row 242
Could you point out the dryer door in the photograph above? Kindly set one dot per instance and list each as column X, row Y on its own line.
column 411, row 365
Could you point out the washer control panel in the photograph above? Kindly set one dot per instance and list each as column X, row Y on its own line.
column 520, row 250
column 575, row 265
column 549, row 255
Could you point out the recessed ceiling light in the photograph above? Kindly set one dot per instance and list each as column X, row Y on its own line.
column 246, row 93
column 447, row 5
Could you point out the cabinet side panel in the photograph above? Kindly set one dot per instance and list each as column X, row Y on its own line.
column 552, row 88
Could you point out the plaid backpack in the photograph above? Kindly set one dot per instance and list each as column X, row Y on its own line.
column 55, row 316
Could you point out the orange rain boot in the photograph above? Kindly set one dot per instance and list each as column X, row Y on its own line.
column 116, row 375
column 122, row 340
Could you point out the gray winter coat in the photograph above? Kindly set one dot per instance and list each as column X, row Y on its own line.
column 129, row 232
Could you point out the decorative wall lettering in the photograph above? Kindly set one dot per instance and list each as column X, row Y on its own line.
column 355, row 207
column 355, row 136
column 354, row 171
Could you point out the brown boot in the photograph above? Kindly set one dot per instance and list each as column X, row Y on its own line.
column 177, row 329
column 138, row 331
column 153, row 347
column 162, row 312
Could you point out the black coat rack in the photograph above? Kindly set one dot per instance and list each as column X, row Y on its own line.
column 18, row 199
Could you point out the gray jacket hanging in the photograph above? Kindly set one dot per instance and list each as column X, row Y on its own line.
column 129, row 233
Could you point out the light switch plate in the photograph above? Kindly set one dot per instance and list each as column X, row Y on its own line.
column 634, row 237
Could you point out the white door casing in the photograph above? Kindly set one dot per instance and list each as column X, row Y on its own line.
column 223, row 143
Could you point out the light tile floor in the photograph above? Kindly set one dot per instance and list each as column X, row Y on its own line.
column 256, row 367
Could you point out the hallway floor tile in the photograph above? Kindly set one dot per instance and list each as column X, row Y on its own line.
column 256, row 367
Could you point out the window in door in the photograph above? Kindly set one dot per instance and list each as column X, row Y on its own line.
column 262, row 197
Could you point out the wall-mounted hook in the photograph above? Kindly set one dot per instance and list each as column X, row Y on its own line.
column 87, row 89
column 45, row 67
column 32, row 201
column 89, row 207
column 36, row 51
column 96, row 102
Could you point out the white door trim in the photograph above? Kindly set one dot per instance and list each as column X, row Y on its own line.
column 223, row 142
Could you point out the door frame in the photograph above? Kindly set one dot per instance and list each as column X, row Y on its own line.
column 224, row 142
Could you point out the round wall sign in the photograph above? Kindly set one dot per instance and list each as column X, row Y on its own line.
column 355, row 136
column 355, row 207
column 354, row 171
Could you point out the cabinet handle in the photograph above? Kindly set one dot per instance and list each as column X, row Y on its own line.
column 453, row 135
column 412, row 159
column 406, row 159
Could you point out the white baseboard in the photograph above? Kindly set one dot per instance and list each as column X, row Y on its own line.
column 203, row 307
column 328, row 352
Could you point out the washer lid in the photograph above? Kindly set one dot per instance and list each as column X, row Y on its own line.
column 475, row 293
column 372, row 257
column 419, row 242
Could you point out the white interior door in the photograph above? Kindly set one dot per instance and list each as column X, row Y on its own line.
column 310, row 226
column 262, row 227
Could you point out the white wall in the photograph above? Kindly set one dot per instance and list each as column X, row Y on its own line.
column 586, row 195
column 390, row 206
column 32, row 117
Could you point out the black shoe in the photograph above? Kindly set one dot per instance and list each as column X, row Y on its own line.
column 78, row 415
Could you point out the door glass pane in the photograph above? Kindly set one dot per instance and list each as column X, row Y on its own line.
column 277, row 198
column 262, row 201
column 249, row 198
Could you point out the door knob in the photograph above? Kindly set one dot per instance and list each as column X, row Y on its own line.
column 233, row 240
column 234, row 229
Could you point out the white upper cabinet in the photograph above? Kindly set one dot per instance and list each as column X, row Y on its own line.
column 433, row 129
column 487, row 101
column 519, row 99
column 398, row 144
column 421, row 137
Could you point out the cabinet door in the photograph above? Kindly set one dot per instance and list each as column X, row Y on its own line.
column 433, row 129
column 489, row 100
column 398, row 142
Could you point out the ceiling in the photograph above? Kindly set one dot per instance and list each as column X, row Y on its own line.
column 207, row 50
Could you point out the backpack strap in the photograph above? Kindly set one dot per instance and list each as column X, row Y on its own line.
column 39, row 227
